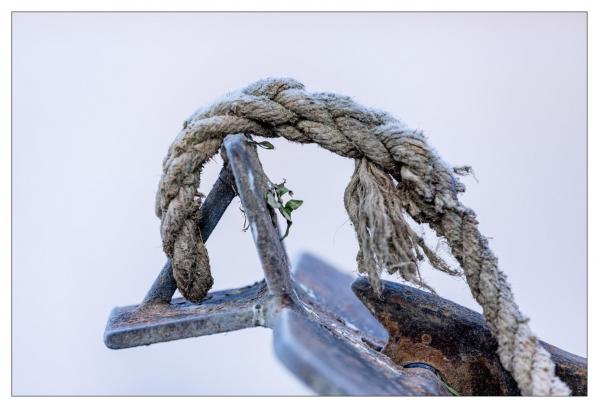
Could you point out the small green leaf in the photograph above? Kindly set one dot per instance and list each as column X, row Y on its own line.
column 281, row 190
column 293, row 204
column 272, row 201
column 266, row 145
column 286, row 213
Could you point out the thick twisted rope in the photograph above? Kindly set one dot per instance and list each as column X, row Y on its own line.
column 396, row 173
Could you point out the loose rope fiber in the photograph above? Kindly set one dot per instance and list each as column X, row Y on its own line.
column 397, row 174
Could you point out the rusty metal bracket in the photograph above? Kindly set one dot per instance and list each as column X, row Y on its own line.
column 456, row 341
column 321, row 330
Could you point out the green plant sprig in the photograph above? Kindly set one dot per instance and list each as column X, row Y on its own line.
column 274, row 198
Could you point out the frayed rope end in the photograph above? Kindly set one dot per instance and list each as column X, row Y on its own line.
column 387, row 242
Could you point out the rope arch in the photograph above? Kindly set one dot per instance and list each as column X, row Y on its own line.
column 396, row 173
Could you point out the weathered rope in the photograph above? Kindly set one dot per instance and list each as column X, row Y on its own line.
column 397, row 173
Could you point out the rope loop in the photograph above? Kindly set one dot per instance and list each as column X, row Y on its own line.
column 397, row 174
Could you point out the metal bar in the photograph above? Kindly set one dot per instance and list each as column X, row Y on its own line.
column 221, row 311
column 213, row 208
column 252, row 185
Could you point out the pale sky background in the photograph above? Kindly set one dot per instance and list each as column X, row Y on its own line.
column 98, row 98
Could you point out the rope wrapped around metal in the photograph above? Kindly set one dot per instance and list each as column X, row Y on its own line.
column 397, row 174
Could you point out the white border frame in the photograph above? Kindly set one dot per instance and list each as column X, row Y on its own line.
column 8, row 6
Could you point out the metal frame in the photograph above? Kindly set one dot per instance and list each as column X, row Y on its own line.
column 321, row 330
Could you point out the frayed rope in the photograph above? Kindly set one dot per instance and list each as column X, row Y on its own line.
column 397, row 175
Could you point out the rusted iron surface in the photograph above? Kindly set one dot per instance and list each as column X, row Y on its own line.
column 454, row 340
column 572, row 369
